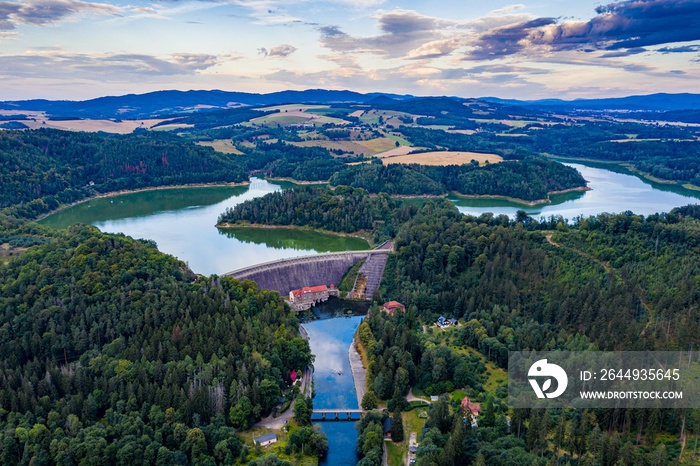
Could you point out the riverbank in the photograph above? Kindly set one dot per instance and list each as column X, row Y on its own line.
column 292, row 180
column 140, row 190
column 362, row 234
column 359, row 372
column 521, row 201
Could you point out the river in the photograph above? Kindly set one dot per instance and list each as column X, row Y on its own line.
column 181, row 221
column 330, row 340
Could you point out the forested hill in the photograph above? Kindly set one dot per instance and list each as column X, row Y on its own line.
column 624, row 281
column 343, row 209
column 42, row 169
column 531, row 179
column 610, row 282
column 114, row 353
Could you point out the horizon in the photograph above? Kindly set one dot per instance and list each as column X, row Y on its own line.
column 81, row 50
column 563, row 99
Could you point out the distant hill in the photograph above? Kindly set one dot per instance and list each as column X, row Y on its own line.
column 169, row 103
column 653, row 102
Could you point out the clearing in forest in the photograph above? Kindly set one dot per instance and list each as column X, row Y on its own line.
column 443, row 158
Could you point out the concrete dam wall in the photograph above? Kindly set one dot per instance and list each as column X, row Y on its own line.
column 289, row 274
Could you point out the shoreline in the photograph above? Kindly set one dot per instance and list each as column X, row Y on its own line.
column 138, row 190
column 293, row 181
column 521, row 201
column 359, row 372
column 630, row 168
column 262, row 226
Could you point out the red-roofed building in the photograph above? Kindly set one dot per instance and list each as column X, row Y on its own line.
column 304, row 298
column 392, row 306
column 470, row 410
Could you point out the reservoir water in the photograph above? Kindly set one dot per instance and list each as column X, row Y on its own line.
column 611, row 191
column 181, row 221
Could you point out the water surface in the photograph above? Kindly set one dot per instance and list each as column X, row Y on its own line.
column 330, row 341
column 181, row 221
column 611, row 191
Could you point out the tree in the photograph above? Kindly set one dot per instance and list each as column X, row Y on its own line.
column 369, row 400
column 397, row 427
column 303, row 408
column 240, row 413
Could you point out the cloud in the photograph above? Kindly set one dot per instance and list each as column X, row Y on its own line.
column 44, row 12
column 435, row 49
column 681, row 49
column 116, row 67
column 508, row 9
column 281, row 51
column 401, row 32
column 623, row 53
column 630, row 24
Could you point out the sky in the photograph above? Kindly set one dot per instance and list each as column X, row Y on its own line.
column 78, row 49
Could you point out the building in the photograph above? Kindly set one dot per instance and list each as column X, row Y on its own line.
column 470, row 411
column 304, row 298
column 392, row 306
column 265, row 440
column 387, row 427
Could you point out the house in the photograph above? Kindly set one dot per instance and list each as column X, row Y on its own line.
column 434, row 398
column 305, row 297
column 413, row 449
column 393, row 306
column 387, row 427
column 265, row 440
column 470, row 410
column 441, row 321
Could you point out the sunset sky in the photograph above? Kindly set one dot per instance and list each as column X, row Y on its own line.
column 73, row 49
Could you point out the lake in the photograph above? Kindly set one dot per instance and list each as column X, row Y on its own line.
column 611, row 191
column 181, row 221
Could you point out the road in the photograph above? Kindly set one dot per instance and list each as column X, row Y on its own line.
column 277, row 423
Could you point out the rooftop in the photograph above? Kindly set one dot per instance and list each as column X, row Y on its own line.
column 265, row 438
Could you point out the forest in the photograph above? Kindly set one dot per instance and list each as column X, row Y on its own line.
column 530, row 179
column 599, row 283
column 114, row 353
column 343, row 209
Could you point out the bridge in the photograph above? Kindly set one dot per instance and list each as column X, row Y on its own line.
column 286, row 275
column 337, row 414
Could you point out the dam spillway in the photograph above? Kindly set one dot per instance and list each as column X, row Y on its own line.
column 288, row 274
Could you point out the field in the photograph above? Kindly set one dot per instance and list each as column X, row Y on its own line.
column 107, row 126
column 443, row 158
column 221, row 145
column 290, row 115
column 376, row 146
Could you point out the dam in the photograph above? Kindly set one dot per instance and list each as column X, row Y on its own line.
column 286, row 275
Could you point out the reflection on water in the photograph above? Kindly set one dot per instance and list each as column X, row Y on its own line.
column 610, row 192
column 289, row 238
column 330, row 341
column 181, row 221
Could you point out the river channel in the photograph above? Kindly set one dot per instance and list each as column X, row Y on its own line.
column 330, row 340
column 181, row 221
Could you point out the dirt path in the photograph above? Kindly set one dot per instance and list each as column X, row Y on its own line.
column 411, row 397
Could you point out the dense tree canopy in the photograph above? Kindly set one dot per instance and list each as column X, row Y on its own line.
column 114, row 352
